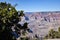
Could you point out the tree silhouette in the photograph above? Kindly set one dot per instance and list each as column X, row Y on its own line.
column 53, row 34
column 8, row 17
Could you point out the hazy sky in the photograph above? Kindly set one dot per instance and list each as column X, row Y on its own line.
column 35, row 5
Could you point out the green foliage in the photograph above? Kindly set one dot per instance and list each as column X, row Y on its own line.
column 22, row 27
column 25, row 26
column 21, row 13
column 53, row 34
column 8, row 17
column 25, row 38
column 59, row 29
column 7, row 14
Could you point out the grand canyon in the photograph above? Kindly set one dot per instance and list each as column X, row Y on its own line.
column 41, row 22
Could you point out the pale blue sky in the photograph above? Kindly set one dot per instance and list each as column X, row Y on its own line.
column 35, row 5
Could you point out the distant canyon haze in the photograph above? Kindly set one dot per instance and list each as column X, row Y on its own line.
column 41, row 22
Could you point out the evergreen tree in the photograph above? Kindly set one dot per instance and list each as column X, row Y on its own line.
column 8, row 17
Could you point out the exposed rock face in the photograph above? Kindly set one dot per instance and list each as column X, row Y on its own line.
column 41, row 22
